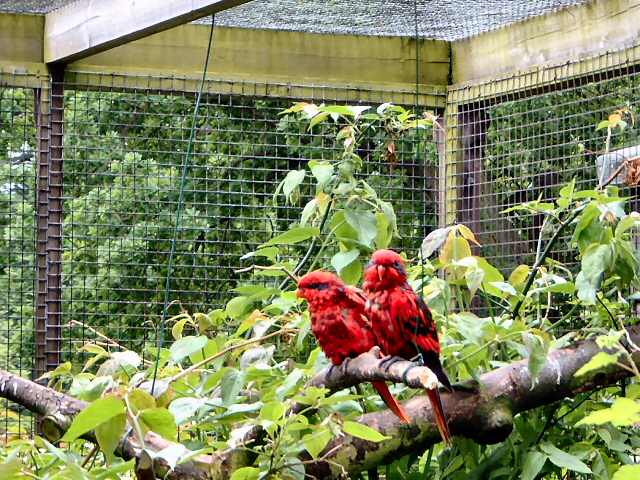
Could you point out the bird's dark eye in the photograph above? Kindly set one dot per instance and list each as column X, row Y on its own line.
column 322, row 286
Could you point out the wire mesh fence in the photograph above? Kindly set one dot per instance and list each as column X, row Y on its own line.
column 124, row 148
column 102, row 227
column 18, row 168
column 524, row 137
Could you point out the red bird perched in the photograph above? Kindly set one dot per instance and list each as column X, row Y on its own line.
column 403, row 323
column 339, row 323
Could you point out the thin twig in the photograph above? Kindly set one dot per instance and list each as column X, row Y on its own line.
column 221, row 353
column 109, row 341
column 290, row 274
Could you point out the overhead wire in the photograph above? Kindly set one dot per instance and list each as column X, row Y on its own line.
column 180, row 208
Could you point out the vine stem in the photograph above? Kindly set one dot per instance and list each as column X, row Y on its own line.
column 544, row 255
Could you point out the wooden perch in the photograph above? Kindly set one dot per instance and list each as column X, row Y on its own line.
column 486, row 416
column 367, row 367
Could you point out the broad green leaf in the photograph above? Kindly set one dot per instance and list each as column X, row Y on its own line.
column 293, row 236
column 362, row 431
column 598, row 361
column 178, row 327
column 563, row 459
column 140, row 400
column 273, row 411
column 160, row 421
column 434, row 241
column 96, row 413
column 238, row 306
column 474, row 277
column 316, row 442
column 322, row 171
column 519, row 275
column 365, row 224
column 467, row 233
column 308, row 210
column 537, row 349
column 533, row 463
column 185, row 408
column 627, row 472
column 231, row 384
column 11, row 469
column 623, row 412
column 504, row 287
column 109, row 434
column 595, row 261
column 186, row 346
column 351, row 273
column 292, row 181
column 246, row 473
column 343, row 259
column 319, row 118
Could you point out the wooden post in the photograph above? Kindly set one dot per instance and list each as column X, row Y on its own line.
column 440, row 139
column 473, row 125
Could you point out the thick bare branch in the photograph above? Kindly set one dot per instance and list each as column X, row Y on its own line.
column 485, row 415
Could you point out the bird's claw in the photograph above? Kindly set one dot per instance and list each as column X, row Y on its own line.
column 387, row 361
column 344, row 366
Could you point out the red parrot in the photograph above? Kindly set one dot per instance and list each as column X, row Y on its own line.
column 339, row 323
column 403, row 323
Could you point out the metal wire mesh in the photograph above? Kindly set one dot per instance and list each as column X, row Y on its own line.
column 523, row 138
column 18, row 163
column 123, row 151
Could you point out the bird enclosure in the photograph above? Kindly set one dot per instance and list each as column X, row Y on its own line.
column 93, row 142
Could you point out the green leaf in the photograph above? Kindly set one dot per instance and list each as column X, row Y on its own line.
column 623, row 412
column 595, row 261
column 186, row 346
column 292, row 181
column 319, row 118
column 316, row 442
column 273, row 411
column 293, row 236
column 343, row 259
column 603, row 124
column 322, row 171
column 533, row 463
column 308, row 210
column 519, row 275
column 160, row 421
column 185, row 408
column 563, row 459
column 96, row 413
column 230, row 385
column 598, row 361
column 109, row 434
column 434, row 241
column 246, row 473
column 365, row 224
column 140, row 400
column 362, row 431
column 537, row 349
column 237, row 306
column 627, row 472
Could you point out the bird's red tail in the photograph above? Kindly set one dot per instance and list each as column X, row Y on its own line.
column 441, row 421
column 390, row 401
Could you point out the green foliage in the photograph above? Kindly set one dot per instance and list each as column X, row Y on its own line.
column 248, row 363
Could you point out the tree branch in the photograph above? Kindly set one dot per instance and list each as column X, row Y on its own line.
column 486, row 416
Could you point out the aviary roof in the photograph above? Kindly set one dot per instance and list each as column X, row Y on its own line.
column 438, row 19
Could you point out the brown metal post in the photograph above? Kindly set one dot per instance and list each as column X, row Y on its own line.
column 43, row 108
column 54, row 235
column 50, row 115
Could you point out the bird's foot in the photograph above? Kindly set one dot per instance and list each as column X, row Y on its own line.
column 375, row 350
column 344, row 366
column 388, row 360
